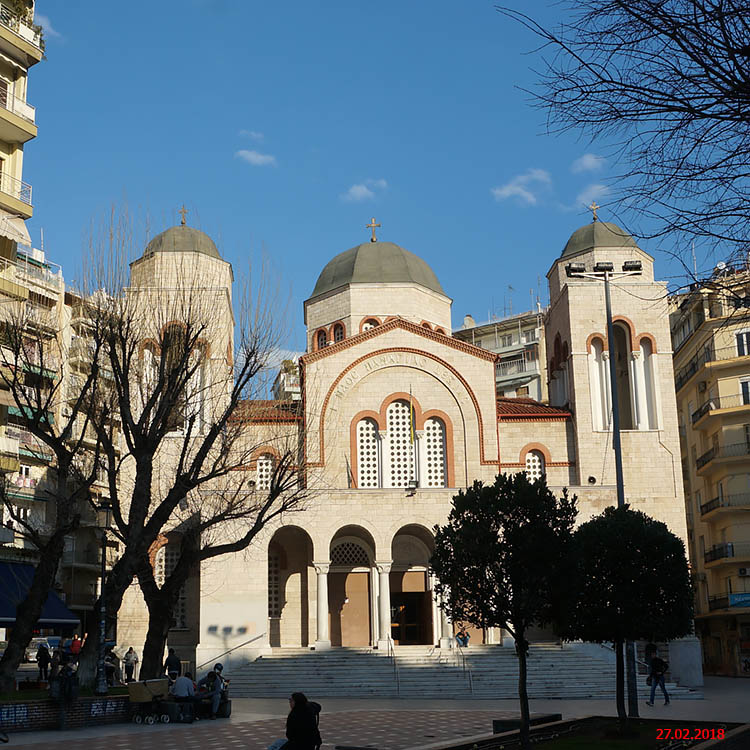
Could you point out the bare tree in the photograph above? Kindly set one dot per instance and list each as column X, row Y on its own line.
column 52, row 422
column 668, row 83
column 184, row 359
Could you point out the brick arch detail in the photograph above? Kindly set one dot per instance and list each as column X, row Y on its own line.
column 369, row 317
column 263, row 450
column 535, row 447
column 631, row 328
column 426, row 324
column 316, row 348
column 651, row 338
column 332, row 328
column 601, row 336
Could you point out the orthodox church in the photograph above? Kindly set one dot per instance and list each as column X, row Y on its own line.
column 395, row 415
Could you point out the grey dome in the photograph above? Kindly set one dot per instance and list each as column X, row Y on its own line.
column 597, row 234
column 182, row 239
column 376, row 262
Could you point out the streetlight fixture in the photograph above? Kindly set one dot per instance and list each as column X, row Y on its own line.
column 604, row 271
column 104, row 520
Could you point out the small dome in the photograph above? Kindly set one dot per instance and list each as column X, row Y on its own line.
column 376, row 262
column 597, row 234
column 182, row 239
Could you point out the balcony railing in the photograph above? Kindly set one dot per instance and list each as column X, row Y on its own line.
column 516, row 366
column 32, row 271
column 741, row 500
column 17, row 106
column 719, row 402
column 723, row 599
column 733, row 450
column 12, row 21
column 17, row 189
column 727, row 550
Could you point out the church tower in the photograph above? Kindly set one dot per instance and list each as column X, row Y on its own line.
column 579, row 372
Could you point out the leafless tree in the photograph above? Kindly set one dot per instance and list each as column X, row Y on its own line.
column 668, row 83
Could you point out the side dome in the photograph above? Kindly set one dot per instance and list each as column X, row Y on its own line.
column 182, row 239
column 597, row 234
column 376, row 262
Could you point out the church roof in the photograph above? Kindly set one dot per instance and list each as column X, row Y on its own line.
column 376, row 262
column 597, row 234
column 527, row 408
column 182, row 239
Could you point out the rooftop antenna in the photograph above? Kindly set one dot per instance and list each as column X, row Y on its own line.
column 41, row 232
column 695, row 265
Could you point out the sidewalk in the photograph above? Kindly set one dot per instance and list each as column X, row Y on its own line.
column 387, row 724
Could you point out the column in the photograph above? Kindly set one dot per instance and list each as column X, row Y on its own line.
column 607, row 380
column 446, row 635
column 323, row 641
column 374, row 617
column 384, row 603
column 640, row 389
column 437, row 631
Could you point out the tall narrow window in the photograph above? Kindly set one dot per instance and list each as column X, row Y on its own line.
column 599, row 385
column 166, row 560
column 745, row 390
column 401, row 470
column 368, row 458
column 274, row 584
column 621, row 353
column 338, row 332
column 649, row 373
column 743, row 343
column 264, row 471
column 534, row 465
column 322, row 339
column 434, row 474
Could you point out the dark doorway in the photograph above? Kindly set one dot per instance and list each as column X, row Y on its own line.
column 410, row 618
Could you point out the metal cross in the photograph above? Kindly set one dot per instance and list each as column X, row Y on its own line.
column 372, row 225
column 183, row 211
column 594, row 207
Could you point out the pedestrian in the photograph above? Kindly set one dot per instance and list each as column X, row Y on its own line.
column 172, row 663
column 212, row 686
column 55, row 664
column 462, row 637
column 302, row 731
column 130, row 659
column 657, row 668
column 75, row 647
column 43, row 660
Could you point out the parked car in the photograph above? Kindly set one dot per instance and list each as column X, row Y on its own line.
column 32, row 648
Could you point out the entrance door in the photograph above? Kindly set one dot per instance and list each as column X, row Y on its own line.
column 410, row 617
column 349, row 607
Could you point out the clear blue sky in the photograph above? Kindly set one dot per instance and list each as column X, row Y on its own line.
column 284, row 126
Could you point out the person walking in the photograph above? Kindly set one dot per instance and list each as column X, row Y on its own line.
column 43, row 660
column 130, row 660
column 657, row 668
column 75, row 647
column 172, row 663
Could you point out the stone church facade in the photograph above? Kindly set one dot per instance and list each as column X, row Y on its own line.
column 396, row 415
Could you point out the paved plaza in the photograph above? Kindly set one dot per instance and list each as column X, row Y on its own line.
column 375, row 723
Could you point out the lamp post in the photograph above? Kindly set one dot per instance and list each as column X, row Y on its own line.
column 604, row 271
column 104, row 512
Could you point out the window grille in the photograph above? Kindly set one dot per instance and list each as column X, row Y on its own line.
column 350, row 555
column 264, row 472
column 166, row 560
column 434, row 435
column 322, row 339
column 400, row 446
column 368, row 474
column 534, row 465
column 338, row 333
column 274, row 585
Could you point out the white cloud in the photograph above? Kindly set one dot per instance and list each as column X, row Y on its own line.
column 364, row 191
column 254, row 134
column 587, row 163
column 46, row 25
column 256, row 159
column 522, row 186
column 591, row 192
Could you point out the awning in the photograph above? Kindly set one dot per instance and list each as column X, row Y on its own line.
column 15, row 580
column 14, row 228
column 12, row 62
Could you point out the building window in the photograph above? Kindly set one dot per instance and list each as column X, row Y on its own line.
column 167, row 558
column 322, row 340
column 264, row 472
column 338, row 333
column 534, row 465
column 529, row 336
column 274, row 584
column 400, row 422
column 506, row 340
column 745, row 389
column 743, row 343
column 522, row 391
column 434, row 441
column 623, row 382
column 368, row 454
column 370, row 323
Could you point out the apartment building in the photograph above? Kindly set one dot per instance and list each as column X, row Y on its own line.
column 710, row 327
column 519, row 343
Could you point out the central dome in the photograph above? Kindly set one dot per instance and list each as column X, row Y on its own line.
column 373, row 263
column 597, row 234
column 182, row 239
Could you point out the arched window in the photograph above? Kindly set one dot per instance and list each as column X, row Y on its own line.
column 165, row 561
column 370, row 323
column 599, row 385
column 441, row 330
column 534, row 465
column 264, row 471
column 338, row 333
column 274, row 583
column 401, row 445
column 427, row 326
column 622, row 353
column 368, row 454
column 322, row 340
column 434, row 474
column 649, row 363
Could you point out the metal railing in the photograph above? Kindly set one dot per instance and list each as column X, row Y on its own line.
column 17, row 106
column 515, row 366
column 708, row 354
column 214, row 659
column 719, row 402
column 727, row 550
column 391, row 652
column 32, row 271
column 734, row 450
column 16, row 188
column 12, row 21
column 727, row 501
column 466, row 668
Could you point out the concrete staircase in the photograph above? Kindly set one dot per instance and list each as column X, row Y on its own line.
column 424, row 672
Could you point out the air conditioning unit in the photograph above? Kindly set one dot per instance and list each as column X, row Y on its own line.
column 702, row 385
column 744, row 572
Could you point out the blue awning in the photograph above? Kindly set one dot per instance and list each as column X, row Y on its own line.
column 15, row 580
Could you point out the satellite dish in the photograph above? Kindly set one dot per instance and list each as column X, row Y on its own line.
column 721, row 265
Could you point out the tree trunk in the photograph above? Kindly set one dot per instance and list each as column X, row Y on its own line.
column 620, row 683
column 159, row 621
column 30, row 609
column 523, row 696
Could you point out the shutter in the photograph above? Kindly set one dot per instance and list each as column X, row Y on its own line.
column 745, row 392
column 741, row 345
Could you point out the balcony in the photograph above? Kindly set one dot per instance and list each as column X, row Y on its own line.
column 15, row 195
column 722, row 453
column 28, row 444
column 716, row 403
column 518, row 366
column 16, row 118
column 18, row 33
column 27, row 270
column 730, row 599
column 727, row 551
column 706, row 356
column 739, row 502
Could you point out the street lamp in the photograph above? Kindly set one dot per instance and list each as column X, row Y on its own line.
column 604, row 271
column 104, row 517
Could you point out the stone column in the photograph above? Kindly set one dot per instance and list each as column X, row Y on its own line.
column 323, row 641
column 446, row 634
column 384, row 603
column 641, row 398
column 607, row 382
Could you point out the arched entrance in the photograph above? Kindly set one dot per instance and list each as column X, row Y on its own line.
column 350, row 587
column 290, row 575
column 412, row 606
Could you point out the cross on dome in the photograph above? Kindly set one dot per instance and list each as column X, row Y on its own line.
column 372, row 225
column 183, row 211
column 594, row 208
